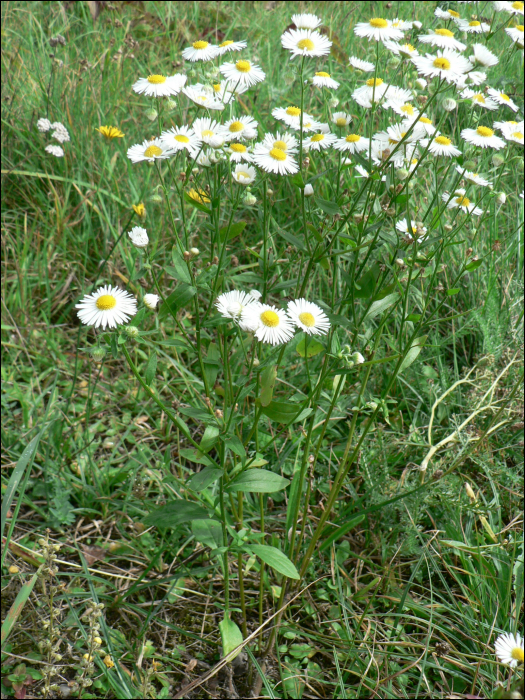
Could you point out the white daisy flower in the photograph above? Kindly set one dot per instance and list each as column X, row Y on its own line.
column 405, row 109
column 232, row 304
column 502, row 99
column 243, row 73
column 223, row 93
column 475, row 77
column 270, row 324
column 372, row 91
column 204, row 159
column 319, row 141
column 204, row 96
column 56, row 151
column 200, row 51
column 442, row 38
column 309, row 317
column 414, row 232
column 361, row 65
column 516, row 34
column 309, row 124
column 378, row 29
column 516, row 136
column 386, row 153
column 274, row 160
column 474, row 178
column 483, row 56
column 516, row 8
column 43, row 125
column 306, row 21
column 397, row 94
column 305, row 42
column 510, row 126
column 424, row 126
column 448, row 65
column 483, row 137
column 209, row 131
column 290, row 115
column 341, row 119
column 473, row 27
column 180, row 138
column 285, row 142
column 479, row 99
column 509, row 647
column 239, row 153
column 403, row 50
column 149, row 150
column 442, row 146
column 401, row 24
column 446, row 14
column 108, row 306
column 151, row 301
column 459, row 201
column 160, row 85
column 244, row 174
column 353, row 143
column 323, row 80
column 139, row 237
column 241, row 128
column 499, row 6
column 230, row 45
column 395, row 134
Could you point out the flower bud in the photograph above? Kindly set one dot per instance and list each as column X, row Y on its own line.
column 269, row 192
column 151, row 114
column 98, row 353
column 156, row 198
column 333, row 103
column 194, row 251
column 151, row 301
column 308, row 190
column 132, row 331
column 449, row 105
column 256, row 362
column 249, row 200
column 171, row 104
column 402, row 173
column 421, row 83
column 501, row 198
column 497, row 160
column 357, row 358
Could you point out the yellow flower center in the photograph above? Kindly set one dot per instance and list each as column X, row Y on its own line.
column 444, row 32
column 474, row 23
column 293, row 111
column 340, row 121
column 378, row 23
column 407, row 109
column 307, row 44
column 462, row 201
column 519, row 27
column 270, row 319
column 241, row 173
column 280, row 145
column 484, row 131
column 199, row 45
column 352, row 138
column 442, row 63
column 307, row 319
column 106, row 302
column 479, row 98
column 181, row 138
column 425, row 120
column 217, row 87
column 408, row 47
column 518, row 135
column 236, row 127
column 504, row 97
column 207, row 133
column 453, row 13
column 152, row 152
column 317, row 137
column 243, row 66
column 238, row 148
column 226, row 43
column 322, row 74
column 443, row 140
column 374, row 82
column 277, row 154
column 517, row 5
column 517, row 652
column 156, row 79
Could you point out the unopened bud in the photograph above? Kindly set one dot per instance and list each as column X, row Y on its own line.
column 501, row 198
column 357, row 358
column 156, row 199
column 219, row 413
column 333, row 103
column 151, row 114
column 421, row 83
column 468, row 252
column 308, row 190
column 171, row 104
column 497, row 160
column 449, row 105
column 132, row 331
column 194, row 251
column 249, row 200
column 470, row 493
column 402, row 173
column 98, row 354
column 448, row 228
column 186, row 255
column 269, row 192
column 256, row 362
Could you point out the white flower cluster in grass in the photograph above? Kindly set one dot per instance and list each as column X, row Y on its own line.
column 59, row 133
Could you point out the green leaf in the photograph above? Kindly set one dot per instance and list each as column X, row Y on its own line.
column 281, row 412
column 177, row 299
column 175, row 513
column 474, row 265
column 235, row 445
column 211, row 364
column 195, row 456
column 257, row 481
column 198, row 205
column 209, row 438
column 414, row 351
column 274, row 558
column 292, row 240
column 382, row 305
column 413, row 317
column 366, row 285
column 309, row 350
column 231, row 636
column 340, row 531
column 268, row 377
column 204, row 478
column 207, row 532
column 297, row 180
column 151, row 369
column 18, row 604
column 453, row 292
column 180, row 268
column 227, row 234
column 330, row 208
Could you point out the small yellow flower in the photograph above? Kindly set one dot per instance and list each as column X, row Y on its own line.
column 199, row 196
column 139, row 209
column 108, row 661
column 14, row 569
column 110, row 132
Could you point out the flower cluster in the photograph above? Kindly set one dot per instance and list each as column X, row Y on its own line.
column 59, row 133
